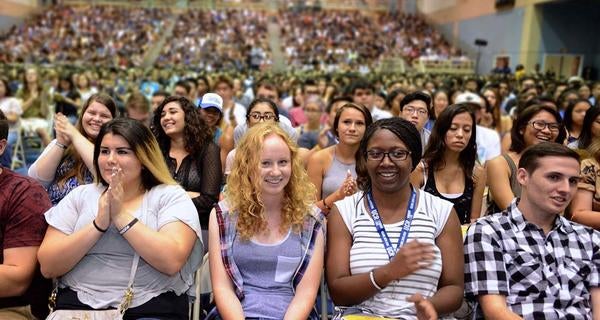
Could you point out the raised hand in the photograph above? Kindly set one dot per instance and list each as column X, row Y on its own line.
column 61, row 123
column 348, row 187
column 115, row 192
column 411, row 257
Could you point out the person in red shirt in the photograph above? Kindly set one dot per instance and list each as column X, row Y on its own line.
column 23, row 202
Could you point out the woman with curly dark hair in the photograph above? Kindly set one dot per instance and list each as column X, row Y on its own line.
column 192, row 157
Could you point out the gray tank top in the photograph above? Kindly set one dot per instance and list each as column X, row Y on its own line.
column 267, row 271
column 335, row 175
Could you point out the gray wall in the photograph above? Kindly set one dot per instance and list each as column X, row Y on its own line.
column 572, row 27
column 502, row 30
column 6, row 22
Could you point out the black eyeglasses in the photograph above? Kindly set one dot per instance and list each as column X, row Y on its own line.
column 541, row 125
column 411, row 110
column 395, row 155
column 257, row 116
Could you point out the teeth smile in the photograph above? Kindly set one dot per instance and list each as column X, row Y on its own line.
column 387, row 174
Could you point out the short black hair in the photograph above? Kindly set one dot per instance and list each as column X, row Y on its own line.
column 417, row 95
column 530, row 157
column 184, row 84
column 360, row 84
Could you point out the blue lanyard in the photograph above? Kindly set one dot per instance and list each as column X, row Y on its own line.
column 410, row 213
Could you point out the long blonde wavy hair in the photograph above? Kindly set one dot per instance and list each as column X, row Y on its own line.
column 243, row 192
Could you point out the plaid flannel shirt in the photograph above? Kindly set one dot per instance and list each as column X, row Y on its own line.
column 542, row 276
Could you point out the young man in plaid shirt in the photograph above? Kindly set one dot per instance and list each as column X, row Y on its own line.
column 528, row 261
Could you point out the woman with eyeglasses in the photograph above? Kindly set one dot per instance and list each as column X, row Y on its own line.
column 192, row 157
column 394, row 251
column 449, row 169
column 332, row 170
column 534, row 124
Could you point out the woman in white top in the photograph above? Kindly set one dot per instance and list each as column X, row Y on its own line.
column 372, row 266
column 134, row 209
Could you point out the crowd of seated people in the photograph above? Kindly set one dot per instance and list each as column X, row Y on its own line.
column 231, row 39
column 106, row 35
column 253, row 167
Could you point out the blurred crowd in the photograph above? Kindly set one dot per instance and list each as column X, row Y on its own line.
column 82, row 35
column 234, row 39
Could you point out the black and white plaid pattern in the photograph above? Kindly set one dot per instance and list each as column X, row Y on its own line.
column 542, row 276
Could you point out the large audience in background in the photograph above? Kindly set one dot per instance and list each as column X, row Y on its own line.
column 216, row 40
column 124, row 153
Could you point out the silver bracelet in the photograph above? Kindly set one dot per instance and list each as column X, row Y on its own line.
column 60, row 145
column 372, row 277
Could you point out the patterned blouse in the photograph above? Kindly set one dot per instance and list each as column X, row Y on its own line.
column 590, row 172
column 58, row 191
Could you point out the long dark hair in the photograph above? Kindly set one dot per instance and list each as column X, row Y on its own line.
column 568, row 119
column 517, row 141
column 436, row 147
column 586, row 137
column 195, row 132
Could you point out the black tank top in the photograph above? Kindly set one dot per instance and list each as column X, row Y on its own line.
column 462, row 204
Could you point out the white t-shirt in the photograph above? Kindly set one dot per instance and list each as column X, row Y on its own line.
column 239, row 113
column 101, row 276
column 488, row 144
column 368, row 252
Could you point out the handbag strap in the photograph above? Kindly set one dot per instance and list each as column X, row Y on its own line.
column 128, row 297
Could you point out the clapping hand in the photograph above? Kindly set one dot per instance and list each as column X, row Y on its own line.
column 348, row 187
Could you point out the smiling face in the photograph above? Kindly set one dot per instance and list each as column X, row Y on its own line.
column 116, row 153
column 172, row 119
column 261, row 111
column 275, row 166
column 459, row 133
column 211, row 116
column 387, row 175
column 94, row 117
column 550, row 188
column 533, row 136
column 351, row 126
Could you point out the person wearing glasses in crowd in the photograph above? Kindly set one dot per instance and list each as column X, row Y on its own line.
column 266, row 237
column 533, row 125
column 415, row 108
column 394, row 251
column 530, row 262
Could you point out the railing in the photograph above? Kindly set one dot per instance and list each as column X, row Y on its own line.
column 363, row 5
column 449, row 66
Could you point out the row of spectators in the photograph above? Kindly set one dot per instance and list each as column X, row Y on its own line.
column 221, row 40
column 82, row 35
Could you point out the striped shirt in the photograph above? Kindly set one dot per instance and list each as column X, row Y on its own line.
column 368, row 252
